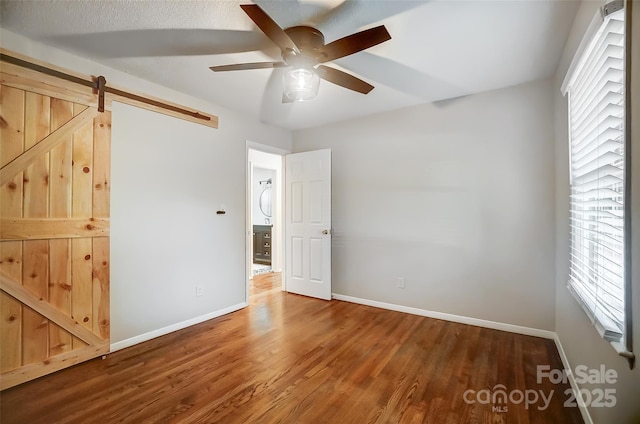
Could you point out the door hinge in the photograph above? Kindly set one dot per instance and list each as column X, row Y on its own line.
column 612, row 7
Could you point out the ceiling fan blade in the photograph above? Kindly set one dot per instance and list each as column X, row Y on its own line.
column 272, row 110
column 343, row 79
column 351, row 14
column 399, row 77
column 162, row 42
column 354, row 43
column 246, row 66
column 285, row 99
column 269, row 27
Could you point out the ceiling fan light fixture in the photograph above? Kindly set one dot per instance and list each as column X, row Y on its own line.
column 301, row 84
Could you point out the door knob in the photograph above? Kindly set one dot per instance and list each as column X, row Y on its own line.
column 325, row 232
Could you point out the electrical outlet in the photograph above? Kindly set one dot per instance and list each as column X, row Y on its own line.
column 199, row 291
column 400, row 282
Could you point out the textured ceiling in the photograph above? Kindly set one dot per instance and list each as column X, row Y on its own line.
column 439, row 49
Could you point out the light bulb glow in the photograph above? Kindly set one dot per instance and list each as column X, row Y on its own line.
column 301, row 84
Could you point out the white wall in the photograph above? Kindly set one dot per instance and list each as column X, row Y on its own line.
column 168, row 179
column 580, row 340
column 456, row 197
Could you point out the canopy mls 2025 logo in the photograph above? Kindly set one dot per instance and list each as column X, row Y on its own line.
column 500, row 398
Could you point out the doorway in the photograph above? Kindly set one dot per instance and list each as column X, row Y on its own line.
column 302, row 211
column 265, row 223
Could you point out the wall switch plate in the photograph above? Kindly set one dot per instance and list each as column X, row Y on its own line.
column 199, row 291
column 400, row 282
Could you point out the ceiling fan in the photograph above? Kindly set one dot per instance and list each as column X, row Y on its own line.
column 304, row 50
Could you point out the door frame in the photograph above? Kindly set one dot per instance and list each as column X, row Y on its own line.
column 250, row 145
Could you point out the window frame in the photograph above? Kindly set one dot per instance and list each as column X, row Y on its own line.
column 624, row 345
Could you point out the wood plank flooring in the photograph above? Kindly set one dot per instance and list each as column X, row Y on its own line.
column 292, row 359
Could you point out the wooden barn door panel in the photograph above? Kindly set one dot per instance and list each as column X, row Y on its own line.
column 54, row 227
column 35, row 275
column 12, row 145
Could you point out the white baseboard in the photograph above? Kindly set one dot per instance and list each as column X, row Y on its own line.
column 528, row 331
column 174, row 327
column 584, row 411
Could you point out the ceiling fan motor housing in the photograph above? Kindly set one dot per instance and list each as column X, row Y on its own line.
column 309, row 41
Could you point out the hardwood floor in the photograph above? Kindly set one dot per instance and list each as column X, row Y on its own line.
column 292, row 359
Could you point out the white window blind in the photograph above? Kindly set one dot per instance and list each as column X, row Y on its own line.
column 596, row 125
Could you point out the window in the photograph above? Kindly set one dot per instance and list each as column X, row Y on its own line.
column 596, row 92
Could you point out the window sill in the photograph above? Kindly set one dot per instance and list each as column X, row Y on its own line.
column 619, row 347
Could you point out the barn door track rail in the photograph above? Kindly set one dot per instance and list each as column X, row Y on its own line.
column 99, row 85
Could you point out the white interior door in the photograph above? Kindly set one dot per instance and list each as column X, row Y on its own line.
column 308, row 223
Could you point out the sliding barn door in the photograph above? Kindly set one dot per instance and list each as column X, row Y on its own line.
column 54, row 225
